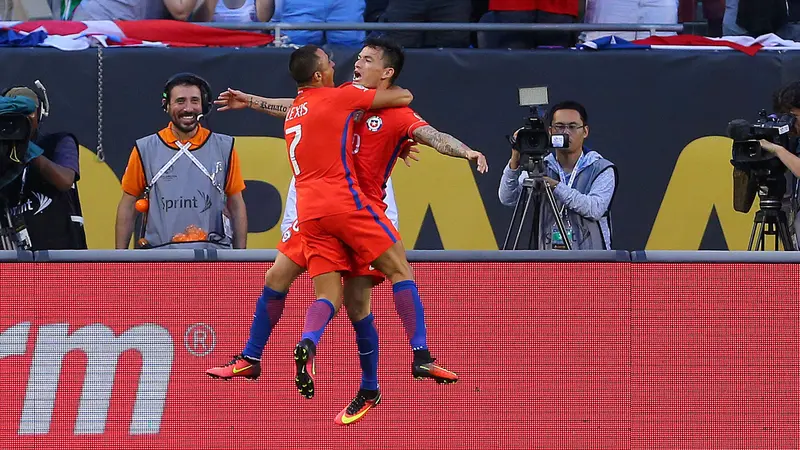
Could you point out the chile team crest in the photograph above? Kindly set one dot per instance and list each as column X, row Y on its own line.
column 374, row 123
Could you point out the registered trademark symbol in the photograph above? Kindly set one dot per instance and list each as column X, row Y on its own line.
column 200, row 339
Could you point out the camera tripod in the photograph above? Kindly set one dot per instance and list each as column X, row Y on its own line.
column 534, row 188
column 770, row 220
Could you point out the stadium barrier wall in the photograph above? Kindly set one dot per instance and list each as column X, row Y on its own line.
column 675, row 188
column 661, row 352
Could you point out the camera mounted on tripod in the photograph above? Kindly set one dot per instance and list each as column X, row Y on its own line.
column 532, row 141
column 755, row 169
column 758, row 171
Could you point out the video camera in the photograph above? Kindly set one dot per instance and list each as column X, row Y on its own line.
column 15, row 133
column 755, row 169
column 532, row 140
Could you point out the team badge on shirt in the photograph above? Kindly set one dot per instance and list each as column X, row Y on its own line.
column 374, row 123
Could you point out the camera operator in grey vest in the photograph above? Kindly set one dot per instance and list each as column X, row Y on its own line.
column 45, row 196
column 185, row 180
column 583, row 184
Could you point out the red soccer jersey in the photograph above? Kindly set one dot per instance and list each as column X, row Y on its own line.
column 378, row 137
column 319, row 137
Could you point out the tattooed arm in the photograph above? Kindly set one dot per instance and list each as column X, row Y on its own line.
column 232, row 99
column 276, row 107
column 448, row 145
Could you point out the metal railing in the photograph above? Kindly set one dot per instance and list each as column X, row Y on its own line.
column 463, row 256
column 277, row 27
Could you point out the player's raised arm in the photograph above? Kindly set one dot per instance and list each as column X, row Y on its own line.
column 393, row 97
column 448, row 145
column 233, row 99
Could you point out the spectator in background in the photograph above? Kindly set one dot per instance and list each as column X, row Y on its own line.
column 374, row 10
column 663, row 12
column 135, row 9
column 729, row 25
column 529, row 11
column 235, row 11
column 456, row 11
column 47, row 197
column 756, row 18
column 713, row 11
column 306, row 11
column 277, row 14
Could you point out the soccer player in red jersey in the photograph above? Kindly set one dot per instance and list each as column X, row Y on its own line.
column 336, row 219
column 376, row 147
column 378, row 142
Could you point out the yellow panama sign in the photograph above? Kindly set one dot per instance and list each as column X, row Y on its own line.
column 446, row 185
column 701, row 181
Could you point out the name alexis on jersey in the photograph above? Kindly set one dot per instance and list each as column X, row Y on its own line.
column 297, row 111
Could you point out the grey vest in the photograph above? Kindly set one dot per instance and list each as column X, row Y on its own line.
column 184, row 195
column 587, row 232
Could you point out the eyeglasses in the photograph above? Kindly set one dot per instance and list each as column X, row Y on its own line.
column 572, row 127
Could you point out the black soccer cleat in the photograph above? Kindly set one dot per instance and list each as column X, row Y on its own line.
column 421, row 370
column 303, row 353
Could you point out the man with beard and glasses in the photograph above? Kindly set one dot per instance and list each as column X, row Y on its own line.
column 184, row 179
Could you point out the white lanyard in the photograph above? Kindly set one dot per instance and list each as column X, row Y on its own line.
column 184, row 150
column 562, row 175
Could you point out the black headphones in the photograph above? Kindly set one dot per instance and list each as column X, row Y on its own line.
column 43, row 109
column 194, row 80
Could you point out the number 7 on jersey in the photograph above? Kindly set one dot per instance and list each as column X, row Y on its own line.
column 298, row 133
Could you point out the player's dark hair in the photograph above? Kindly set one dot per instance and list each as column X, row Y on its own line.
column 303, row 63
column 569, row 104
column 393, row 55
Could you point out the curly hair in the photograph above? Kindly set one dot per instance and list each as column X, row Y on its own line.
column 787, row 97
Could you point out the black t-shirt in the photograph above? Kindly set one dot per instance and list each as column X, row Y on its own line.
column 760, row 17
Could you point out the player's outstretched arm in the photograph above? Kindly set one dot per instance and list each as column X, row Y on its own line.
column 448, row 145
column 393, row 97
column 233, row 99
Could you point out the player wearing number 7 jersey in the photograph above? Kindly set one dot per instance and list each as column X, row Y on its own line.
column 338, row 223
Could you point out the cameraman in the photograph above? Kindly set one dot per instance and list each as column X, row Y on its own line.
column 583, row 184
column 787, row 101
column 45, row 196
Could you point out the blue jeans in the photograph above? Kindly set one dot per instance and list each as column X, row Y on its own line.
column 299, row 11
column 729, row 26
